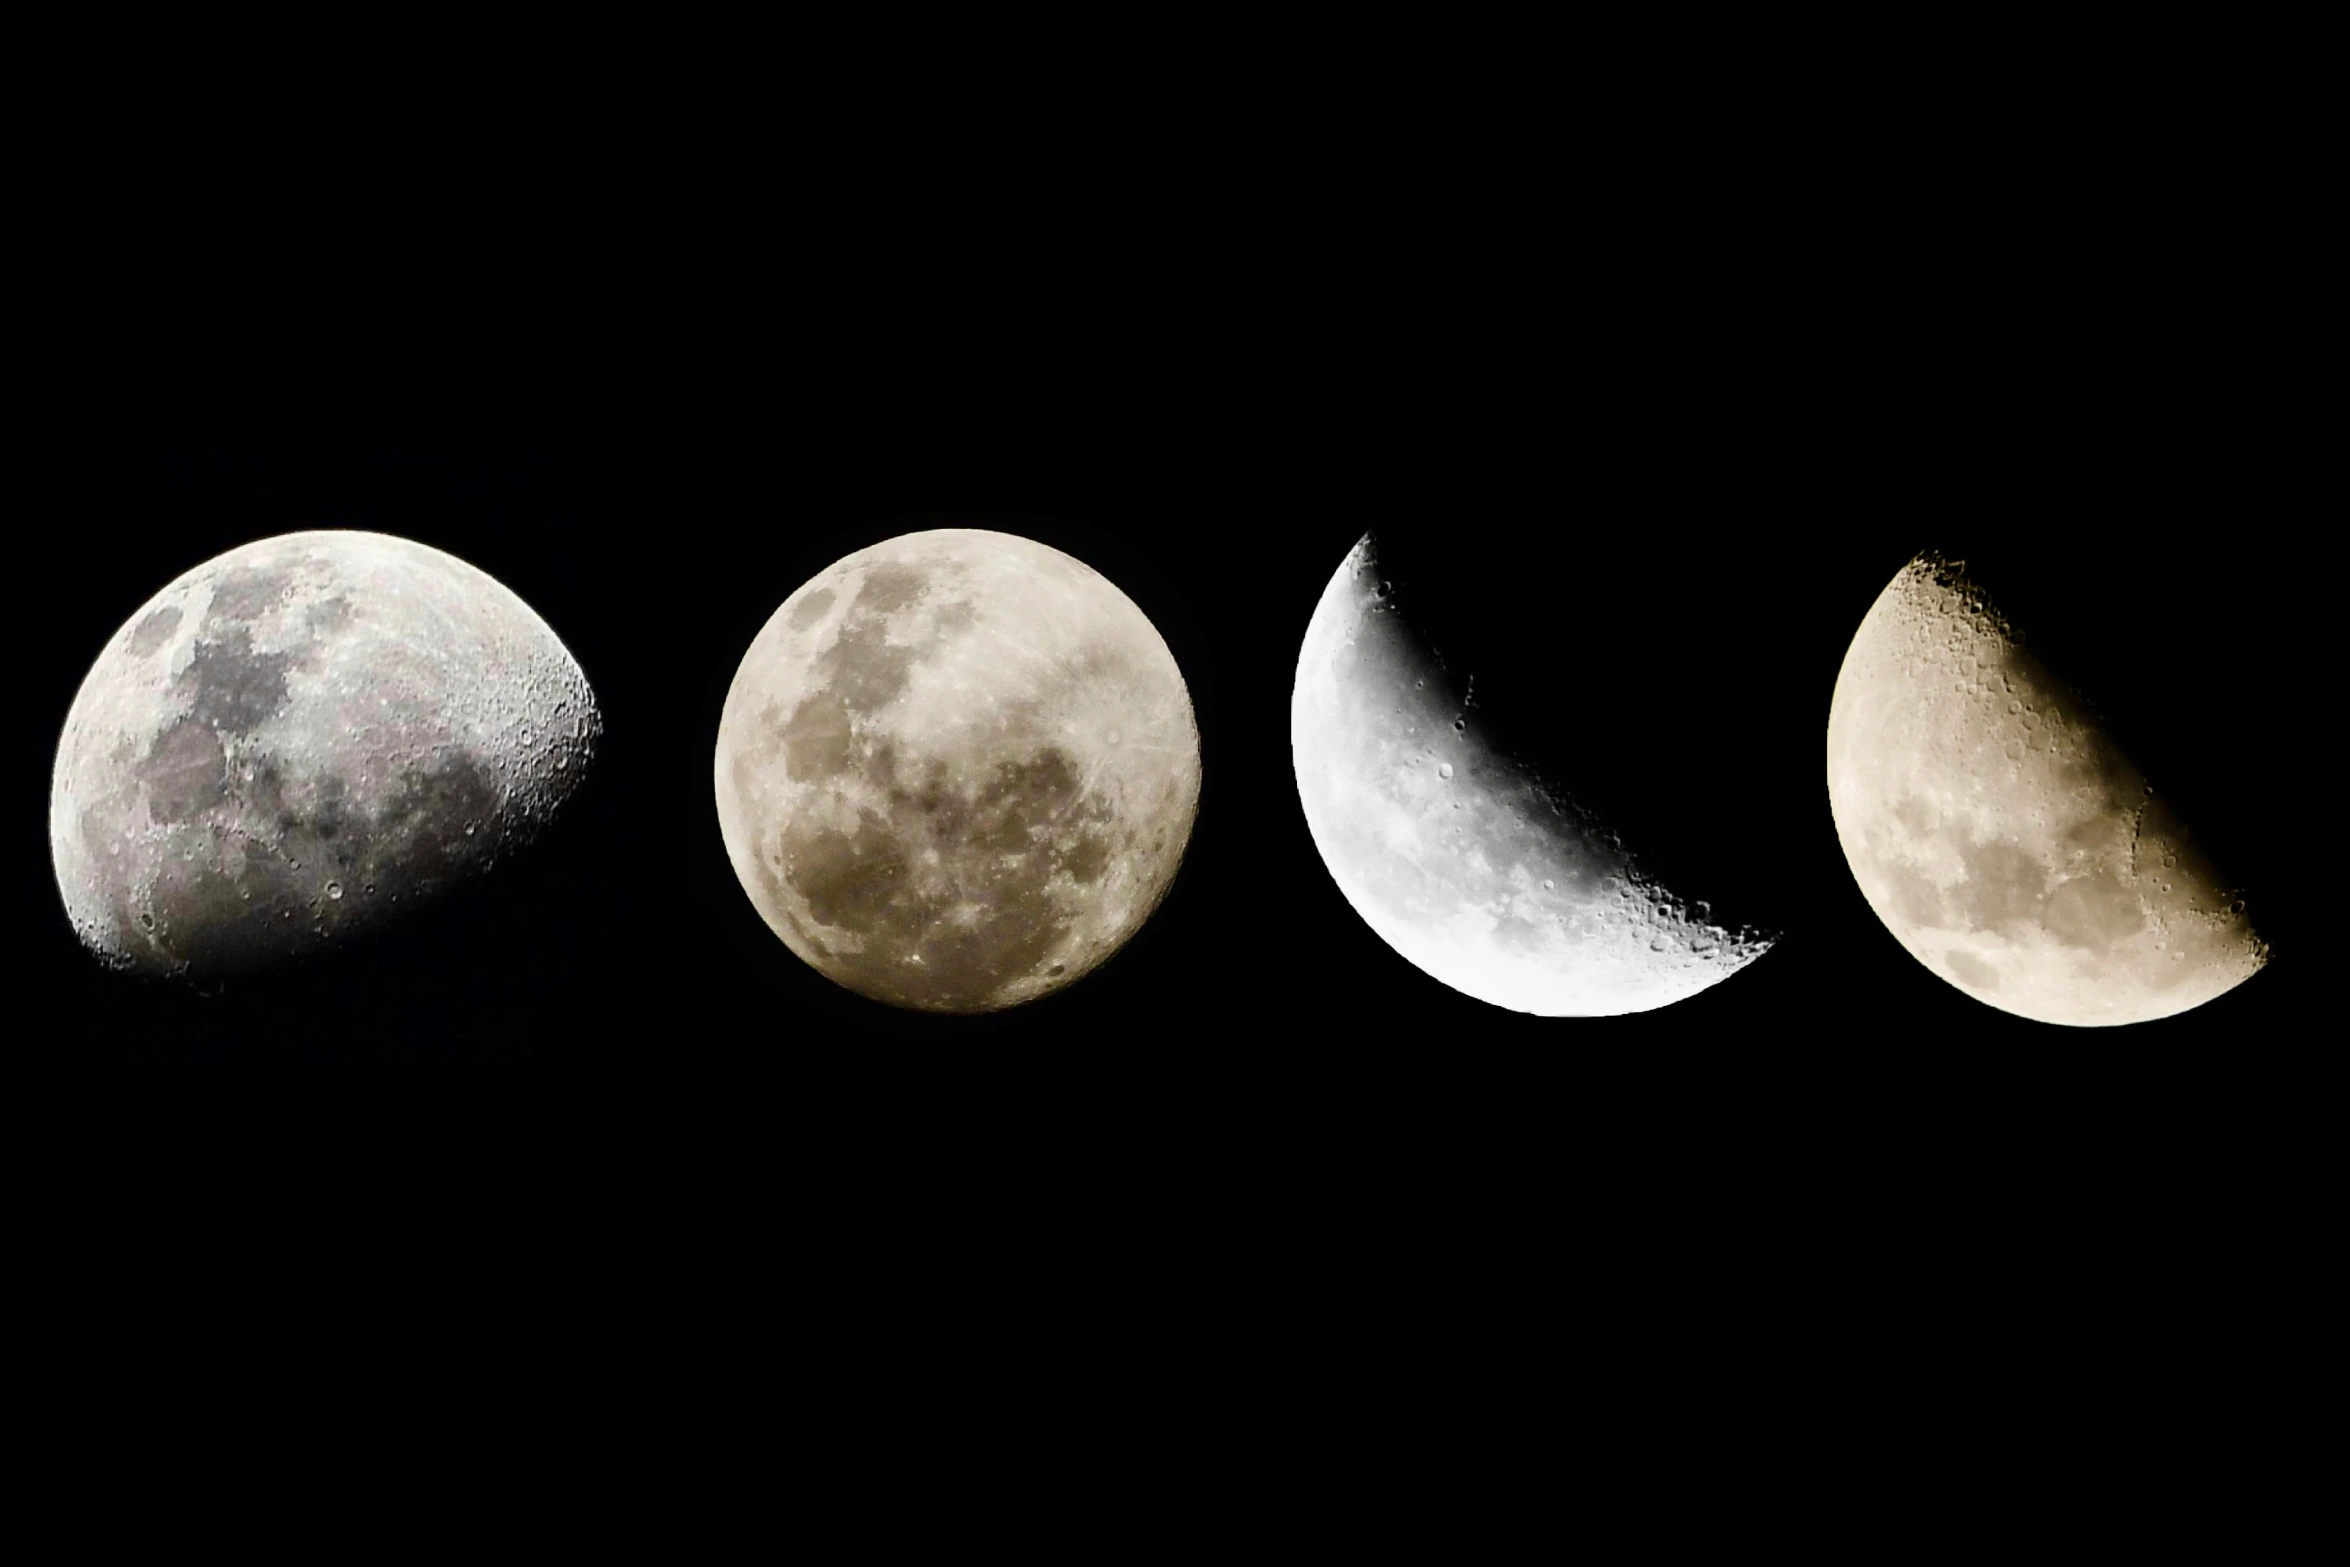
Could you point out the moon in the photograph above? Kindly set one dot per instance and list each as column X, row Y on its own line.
column 1472, row 864
column 2002, row 837
column 299, row 740
column 956, row 771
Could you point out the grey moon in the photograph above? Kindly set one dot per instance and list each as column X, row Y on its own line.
column 2002, row 837
column 956, row 771
column 301, row 739
column 1478, row 869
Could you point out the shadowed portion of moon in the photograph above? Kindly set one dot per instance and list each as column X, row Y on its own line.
column 2002, row 836
column 956, row 771
column 294, row 740
column 1465, row 856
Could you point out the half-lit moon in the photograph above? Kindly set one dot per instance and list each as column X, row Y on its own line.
column 2004, row 839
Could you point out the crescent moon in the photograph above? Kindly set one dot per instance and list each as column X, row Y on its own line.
column 1475, row 866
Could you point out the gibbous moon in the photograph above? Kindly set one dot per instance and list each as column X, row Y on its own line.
column 956, row 771
column 2002, row 837
column 300, row 739
column 1469, row 862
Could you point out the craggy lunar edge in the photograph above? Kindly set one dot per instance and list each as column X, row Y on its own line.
column 956, row 770
column 300, row 739
column 2004, row 839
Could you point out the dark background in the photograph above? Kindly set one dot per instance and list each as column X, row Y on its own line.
column 1654, row 558
column 1809, row 297
column 1687, row 395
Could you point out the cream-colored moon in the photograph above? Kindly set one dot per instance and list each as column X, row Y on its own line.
column 2002, row 838
column 957, row 770
column 1475, row 867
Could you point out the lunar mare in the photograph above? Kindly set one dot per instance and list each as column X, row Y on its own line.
column 1473, row 865
column 2002, row 837
column 299, row 739
column 956, row 771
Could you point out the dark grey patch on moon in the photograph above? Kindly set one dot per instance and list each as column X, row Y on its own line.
column 219, row 924
column 890, row 586
column 2002, row 889
column 433, row 819
column 811, row 609
column 233, row 687
column 1086, row 860
column 185, row 771
column 816, row 741
column 2093, row 912
column 154, row 630
column 985, row 914
column 327, row 616
column 244, row 592
column 846, row 877
column 275, row 901
column 862, row 667
column 859, row 673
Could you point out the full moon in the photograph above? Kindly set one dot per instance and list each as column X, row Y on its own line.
column 299, row 739
column 1474, row 865
column 2001, row 836
column 956, row 771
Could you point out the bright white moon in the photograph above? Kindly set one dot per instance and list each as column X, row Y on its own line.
column 2002, row 838
column 957, row 770
column 1472, row 865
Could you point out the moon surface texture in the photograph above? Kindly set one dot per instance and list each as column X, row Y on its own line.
column 957, row 770
column 1471, row 863
column 2001, row 836
column 300, row 739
